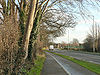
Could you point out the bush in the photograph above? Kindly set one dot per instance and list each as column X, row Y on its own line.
column 9, row 36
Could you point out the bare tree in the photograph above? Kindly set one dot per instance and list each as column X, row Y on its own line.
column 94, row 37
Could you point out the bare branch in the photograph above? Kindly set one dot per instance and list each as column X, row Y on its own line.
column 1, row 19
column 15, row 5
column 53, row 3
column 45, row 6
column 42, row 3
column 1, row 8
column 1, row 12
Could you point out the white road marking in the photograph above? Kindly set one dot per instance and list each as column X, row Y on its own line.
column 60, row 64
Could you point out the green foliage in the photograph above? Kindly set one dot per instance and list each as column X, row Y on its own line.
column 88, row 43
column 90, row 66
column 36, row 69
column 8, row 7
column 34, row 33
column 22, row 19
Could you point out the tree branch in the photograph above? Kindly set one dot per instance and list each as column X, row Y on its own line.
column 1, row 8
column 42, row 3
column 44, row 8
column 15, row 5
column 52, row 4
column 1, row 19
column 1, row 12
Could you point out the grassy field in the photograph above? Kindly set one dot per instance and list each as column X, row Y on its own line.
column 36, row 69
column 90, row 66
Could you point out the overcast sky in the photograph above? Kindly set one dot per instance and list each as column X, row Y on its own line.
column 82, row 28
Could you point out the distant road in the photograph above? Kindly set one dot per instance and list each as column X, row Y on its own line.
column 81, row 55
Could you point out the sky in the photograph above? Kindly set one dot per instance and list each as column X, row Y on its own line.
column 82, row 29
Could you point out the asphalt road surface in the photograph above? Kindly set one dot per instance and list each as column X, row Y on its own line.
column 94, row 58
column 52, row 67
column 69, row 67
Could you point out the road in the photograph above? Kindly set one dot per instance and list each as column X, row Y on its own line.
column 52, row 67
column 81, row 55
column 69, row 67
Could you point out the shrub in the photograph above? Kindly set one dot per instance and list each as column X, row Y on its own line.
column 9, row 36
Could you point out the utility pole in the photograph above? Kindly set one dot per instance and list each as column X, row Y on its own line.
column 93, row 28
column 93, row 35
column 68, row 39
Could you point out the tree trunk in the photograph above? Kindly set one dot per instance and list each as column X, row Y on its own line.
column 29, row 26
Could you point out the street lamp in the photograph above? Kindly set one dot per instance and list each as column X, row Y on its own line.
column 68, row 39
column 93, row 32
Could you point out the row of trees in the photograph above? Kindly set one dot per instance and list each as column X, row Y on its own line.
column 93, row 39
column 25, row 27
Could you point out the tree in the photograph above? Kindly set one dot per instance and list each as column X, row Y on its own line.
column 92, row 40
column 38, row 16
column 88, row 42
column 29, row 26
column 57, row 24
column 75, row 42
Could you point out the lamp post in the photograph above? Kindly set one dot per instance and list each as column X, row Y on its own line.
column 93, row 36
column 69, row 45
column 93, row 32
column 68, row 39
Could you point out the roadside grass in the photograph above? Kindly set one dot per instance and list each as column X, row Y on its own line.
column 37, row 68
column 90, row 66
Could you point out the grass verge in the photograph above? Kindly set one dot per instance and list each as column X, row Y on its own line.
column 36, row 69
column 90, row 66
